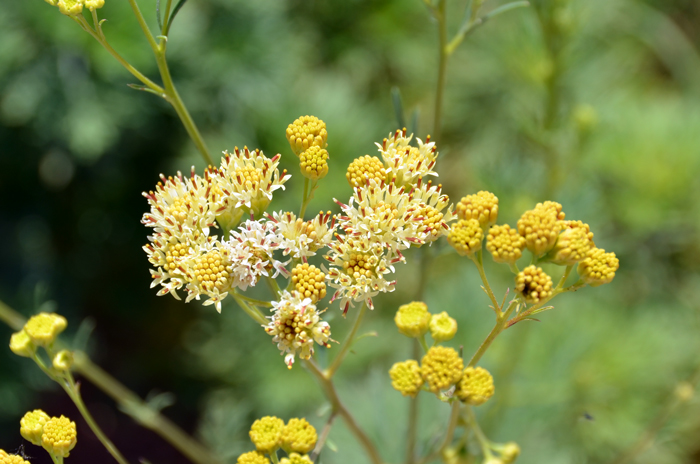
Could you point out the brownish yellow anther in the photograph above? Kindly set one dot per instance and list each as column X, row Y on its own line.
column 442, row 327
column 299, row 436
column 6, row 458
column 505, row 244
column 364, row 169
column 313, row 162
column 252, row 457
column 45, row 327
column 466, row 236
column 572, row 247
column 296, row 458
column 533, row 284
column 413, row 319
column 266, row 434
column 482, row 206
column 59, row 437
column 22, row 345
column 441, row 367
column 32, row 426
column 309, row 281
column 541, row 226
column 476, row 386
column 306, row 132
column 598, row 267
column 406, row 377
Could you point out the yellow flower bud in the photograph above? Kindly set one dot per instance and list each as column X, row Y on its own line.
column 93, row 4
column 466, row 236
column 598, row 267
column 441, row 367
column 6, row 458
column 70, row 7
column 476, row 386
column 306, row 132
column 266, row 433
column 510, row 452
column 299, row 436
column 413, row 319
column 309, row 281
column 32, row 426
column 44, row 328
column 442, row 327
column 59, row 437
column 482, row 206
column 533, row 284
column 505, row 244
column 313, row 162
column 252, row 457
column 572, row 247
column 406, row 378
column 22, row 345
column 541, row 226
column 296, row 458
column 63, row 360
column 364, row 169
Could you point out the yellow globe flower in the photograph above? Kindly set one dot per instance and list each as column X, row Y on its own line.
column 441, row 367
column 266, row 433
column 406, row 377
column 59, row 437
column 299, row 436
column 32, row 426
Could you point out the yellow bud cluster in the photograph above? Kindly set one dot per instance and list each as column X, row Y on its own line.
column 22, row 345
column 59, row 437
column 313, row 162
column 441, row 367
column 413, row 319
column 533, row 284
column 299, row 436
column 266, row 433
column 252, row 457
column 598, row 267
column 363, row 169
column 476, row 386
column 406, row 377
column 510, row 452
column 44, row 328
column 466, row 236
column 32, row 426
column 6, row 458
column 541, row 226
column 309, row 281
column 296, row 458
column 442, row 327
column 505, row 244
column 305, row 132
column 571, row 247
column 482, row 206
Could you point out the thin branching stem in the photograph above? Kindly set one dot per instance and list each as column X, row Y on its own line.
column 347, row 343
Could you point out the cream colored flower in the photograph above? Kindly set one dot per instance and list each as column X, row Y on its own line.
column 405, row 164
column 302, row 238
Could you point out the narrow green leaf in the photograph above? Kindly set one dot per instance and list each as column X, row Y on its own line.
column 179, row 5
column 398, row 106
column 160, row 20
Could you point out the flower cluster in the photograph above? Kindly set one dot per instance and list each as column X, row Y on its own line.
column 57, row 435
column 269, row 434
column 75, row 7
column 308, row 138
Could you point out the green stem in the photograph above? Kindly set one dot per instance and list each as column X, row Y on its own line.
column 144, row 27
column 304, row 200
column 479, row 261
column 449, row 434
column 412, row 414
column 439, row 14
column 74, row 393
column 484, row 442
column 501, row 320
column 251, row 311
column 564, row 277
column 274, row 458
column 323, row 436
column 253, row 301
column 338, row 407
column 56, row 459
column 166, row 25
column 347, row 343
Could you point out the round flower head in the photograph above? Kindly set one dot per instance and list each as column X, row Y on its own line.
column 505, row 244
column 441, row 367
column 252, row 457
column 59, row 436
column 313, row 162
column 541, row 226
column 63, row 360
column 6, row 458
column 45, row 327
column 482, row 206
column 295, row 326
column 466, row 236
column 476, row 386
column 510, row 452
column 93, row 4
column 309, row 282
column 296, row 458
column 70, row 7
column 598, row 267
column 32, row 426
column 405, row 164
column 22, row 345
column 406, row 378
column 302, row 238
column 533, row 284
column 413, row 319
column 572, row 247
column 266, row 434
column 364, row 169
column 299, row 436
column 306, row 132
column 442, row 327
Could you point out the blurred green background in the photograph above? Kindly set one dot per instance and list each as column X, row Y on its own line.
column 595, row 104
